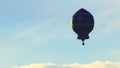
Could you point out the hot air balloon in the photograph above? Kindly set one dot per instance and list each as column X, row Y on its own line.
column 82, row 24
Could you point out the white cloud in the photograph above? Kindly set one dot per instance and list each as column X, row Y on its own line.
column 96, row 64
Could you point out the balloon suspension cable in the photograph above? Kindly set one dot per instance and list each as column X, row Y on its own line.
column 83, row 43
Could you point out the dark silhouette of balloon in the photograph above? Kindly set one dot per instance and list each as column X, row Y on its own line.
column 82, row 24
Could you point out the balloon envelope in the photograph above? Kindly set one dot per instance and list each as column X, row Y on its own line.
column 82, row 23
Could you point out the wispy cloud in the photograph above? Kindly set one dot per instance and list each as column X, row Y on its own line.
column 96, row 64
column 39, row 34
column 111, row 28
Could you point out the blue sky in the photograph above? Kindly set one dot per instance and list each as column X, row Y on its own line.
column 39, row 31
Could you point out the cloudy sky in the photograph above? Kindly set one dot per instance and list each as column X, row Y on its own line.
column 38, row 34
